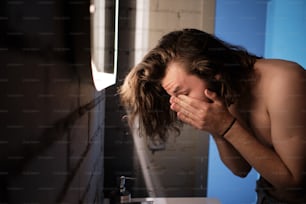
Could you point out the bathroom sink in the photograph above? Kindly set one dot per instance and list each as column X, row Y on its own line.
column 176, row 200
column 171, row 200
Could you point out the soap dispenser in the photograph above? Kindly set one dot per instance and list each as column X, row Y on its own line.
column 125, row 195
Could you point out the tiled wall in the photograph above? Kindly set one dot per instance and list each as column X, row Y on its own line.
column 169, row 15
column 51, row 117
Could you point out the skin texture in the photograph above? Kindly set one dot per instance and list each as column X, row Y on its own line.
column 269, row 134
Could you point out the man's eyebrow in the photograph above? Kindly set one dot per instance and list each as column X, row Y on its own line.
column 176, row 90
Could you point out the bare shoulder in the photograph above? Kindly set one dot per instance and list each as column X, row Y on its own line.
column 279, row 67
column 280, row 79
column 275, row 71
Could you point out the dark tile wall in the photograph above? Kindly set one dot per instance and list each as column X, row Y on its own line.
column 120, row 153
column 51, row 117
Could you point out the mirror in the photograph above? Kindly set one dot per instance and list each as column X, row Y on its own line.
column 104, row 42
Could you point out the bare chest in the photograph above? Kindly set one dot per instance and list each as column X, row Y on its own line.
column 255, row 117
column 259, row 123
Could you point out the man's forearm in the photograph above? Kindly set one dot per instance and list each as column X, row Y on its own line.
column 262, row 158
column 232, row 158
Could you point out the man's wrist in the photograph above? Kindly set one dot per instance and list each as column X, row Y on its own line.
column 228, row 128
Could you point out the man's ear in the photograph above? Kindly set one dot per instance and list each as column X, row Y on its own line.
column 215, row 84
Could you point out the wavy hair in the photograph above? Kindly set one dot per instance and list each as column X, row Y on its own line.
column 203, row 55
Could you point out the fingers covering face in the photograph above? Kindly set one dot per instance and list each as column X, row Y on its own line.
column 188, row 110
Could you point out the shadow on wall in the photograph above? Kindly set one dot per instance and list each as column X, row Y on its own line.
column 51, row 117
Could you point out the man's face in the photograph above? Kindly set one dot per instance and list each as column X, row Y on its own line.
column 178, row 82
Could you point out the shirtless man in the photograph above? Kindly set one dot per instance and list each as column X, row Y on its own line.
column 253, row 107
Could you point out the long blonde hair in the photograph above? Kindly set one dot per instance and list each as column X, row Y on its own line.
column 204, row 56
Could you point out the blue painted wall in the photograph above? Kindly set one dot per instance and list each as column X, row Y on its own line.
column 286, row 30
column 242, row 23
